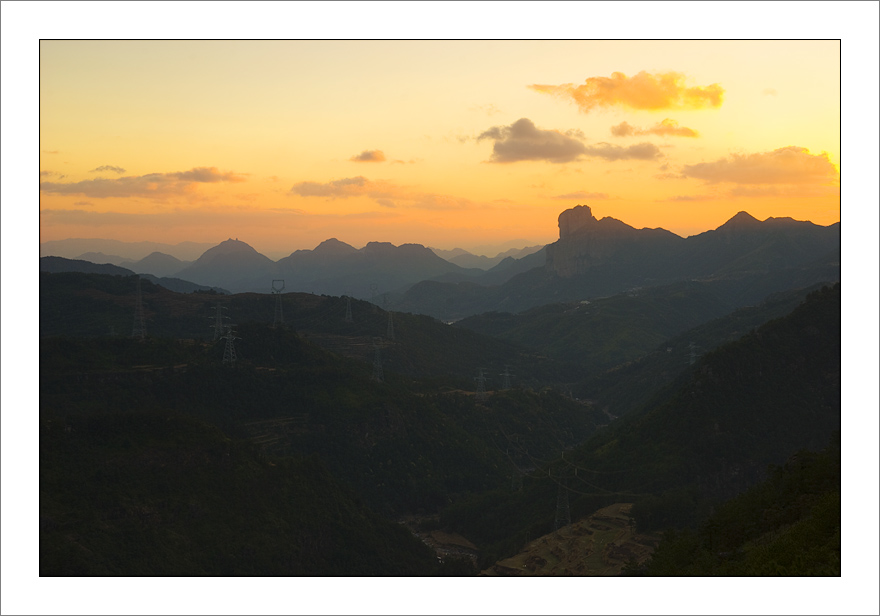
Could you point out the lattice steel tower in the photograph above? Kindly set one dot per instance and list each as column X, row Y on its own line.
column 277, row 288
column 505, row 383
column 481, row 386
column 139, row 330
column 219, row 327
column 229, row 356
column 390, row 334
column 348, row 318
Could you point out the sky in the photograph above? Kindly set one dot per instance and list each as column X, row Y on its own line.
column 470, row 144
column 482, row 141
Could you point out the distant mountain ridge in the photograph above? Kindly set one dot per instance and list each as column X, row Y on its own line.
column 599, row 258
column 58, row 265
column 592, row 258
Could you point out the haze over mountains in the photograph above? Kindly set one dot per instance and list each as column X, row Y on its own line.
column 592, row 258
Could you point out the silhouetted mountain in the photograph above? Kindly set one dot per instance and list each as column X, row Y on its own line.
column 159, row 264
column 133, row 251
column 468, row 260
column 101, row 258
column 55, row 265
column 335, row 268
column 233, row 265
column 598, row 258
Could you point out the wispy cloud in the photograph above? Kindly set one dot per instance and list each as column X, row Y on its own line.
column 666, row 128
column 153, row 185
column 639, row 151
column 107, row 168
column 387, row 194
column 643, row 91
column 51, row 174
column 522, row 140
column 769, row 92
column 369, row 156
column 595, row 196
column 789, row 165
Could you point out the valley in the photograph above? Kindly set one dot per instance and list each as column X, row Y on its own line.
column 626, row 413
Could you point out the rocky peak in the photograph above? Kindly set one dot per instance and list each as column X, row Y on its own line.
column 574, row 220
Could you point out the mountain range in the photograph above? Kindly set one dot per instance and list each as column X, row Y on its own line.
column 592, row 258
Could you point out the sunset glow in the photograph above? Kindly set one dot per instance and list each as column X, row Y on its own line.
column 284, row 144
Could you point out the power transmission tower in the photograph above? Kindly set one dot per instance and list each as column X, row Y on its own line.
column 390, row 334
column 277, row 288
column 139, row 330
column 218, row 325
column 563, row 515
column 229, row 356
column 348, row 318
column 692, row 356
column 378, row 375
column 505, row 383
column 481, row 386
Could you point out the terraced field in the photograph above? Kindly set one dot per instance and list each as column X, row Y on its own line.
column 599, row 545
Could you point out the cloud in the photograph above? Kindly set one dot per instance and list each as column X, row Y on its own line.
column 154, row 185
column 666, row 128
column 51, row 174
column 369, row 156
column 639, row 151
column 769, row 92
column 384, row 193
column 83, row 203
column 643, row 91
column 789, row 165
column 346, row 187
column 686, row 198
column 582, row 195
column 108, row 168
column 522, row 140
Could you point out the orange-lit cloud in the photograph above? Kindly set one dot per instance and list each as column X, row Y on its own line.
column 51, row 174
column 155, row 185
column 639, row 151
column 386, row 194
column 522, row 140
column 643, row 91
column 581, row 194
column 108, row 168
column 789, row 165
column 369, row 156
column 666, row 128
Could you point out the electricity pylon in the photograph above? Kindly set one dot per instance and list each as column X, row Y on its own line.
column 505, row 383
column 481, row 386
column 390, row 334
column 229, row 356
column 219, row 327
column 348, row 318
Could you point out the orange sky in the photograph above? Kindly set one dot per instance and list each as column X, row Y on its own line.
column 284, row 144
